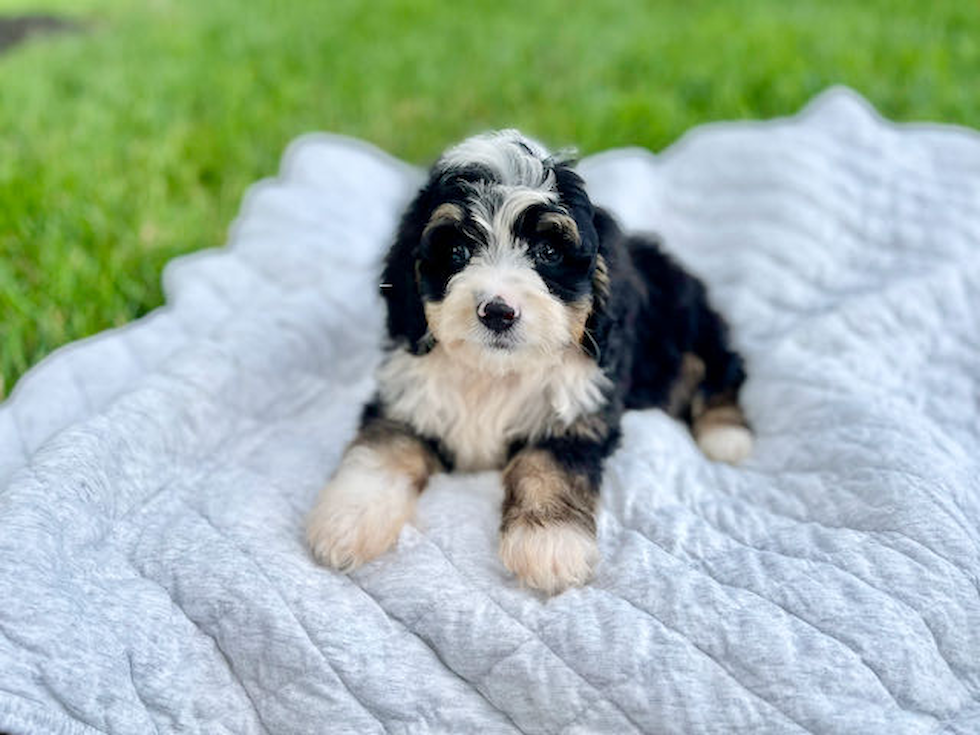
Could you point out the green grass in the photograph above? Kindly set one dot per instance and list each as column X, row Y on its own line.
column 132, row 143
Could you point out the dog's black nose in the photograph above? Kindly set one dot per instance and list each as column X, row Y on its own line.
column 497, row 314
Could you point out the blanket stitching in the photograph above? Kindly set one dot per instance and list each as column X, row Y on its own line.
column 207, row 636
column 847, row 572
column 536, row 635
column 643, row 534
column 577, row 718
column 489, row 669
column 872, row 531
column 789, row 270
column 60, row 709
column 830, row 148
column 136, row 691
column 524, row 641
column 42, row 711
column 205, row 467
column 707, row 655
column 129, row 662
column 32, row 471
column 224, row 657
column 475, row 687
column 590, row 702
column 775, row 604
column 143, row 502
column 274, row 588
column 961, row 571
column 811, row 521
column 123, row 337
column 54, row 695
column 405, row 627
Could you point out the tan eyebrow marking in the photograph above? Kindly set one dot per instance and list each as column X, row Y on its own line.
column 557, row 221
column 446, row 212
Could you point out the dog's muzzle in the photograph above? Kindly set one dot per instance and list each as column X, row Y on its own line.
column 497, row 315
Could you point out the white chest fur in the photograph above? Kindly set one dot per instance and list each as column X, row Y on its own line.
column 477, row 414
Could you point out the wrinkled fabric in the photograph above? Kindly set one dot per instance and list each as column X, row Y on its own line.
column 154, row 479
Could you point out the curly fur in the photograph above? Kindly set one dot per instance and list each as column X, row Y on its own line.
column 597, row 322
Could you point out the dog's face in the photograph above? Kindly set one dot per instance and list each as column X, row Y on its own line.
column 496, row 258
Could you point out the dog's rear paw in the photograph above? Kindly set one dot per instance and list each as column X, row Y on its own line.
column 723, row 433
column 359, row 513
column 726, row 443
column 551, row 558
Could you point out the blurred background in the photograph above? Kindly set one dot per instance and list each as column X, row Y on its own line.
column 130, row 130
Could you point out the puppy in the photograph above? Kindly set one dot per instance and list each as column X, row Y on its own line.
column 522, row 323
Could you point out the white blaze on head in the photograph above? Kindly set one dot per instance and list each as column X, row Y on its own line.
column 518, row 177
column 513, row 159
column 542, row 330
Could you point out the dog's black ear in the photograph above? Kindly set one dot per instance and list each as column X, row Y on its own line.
column 571, row 189
column 608, row 303
column 399, row 280
column 599, row 234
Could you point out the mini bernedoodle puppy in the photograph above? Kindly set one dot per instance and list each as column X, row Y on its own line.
column 522, row 323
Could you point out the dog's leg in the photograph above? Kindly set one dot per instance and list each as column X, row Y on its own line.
column 679, row 329
column 548, row 531
column 716, row 418
column 362, row 509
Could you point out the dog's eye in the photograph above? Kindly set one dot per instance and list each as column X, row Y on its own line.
column 460, row 254
column 546, row 253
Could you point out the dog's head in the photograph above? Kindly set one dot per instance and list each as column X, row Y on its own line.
column 496, row 258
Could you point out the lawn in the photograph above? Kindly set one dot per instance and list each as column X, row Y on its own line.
column 133, row 141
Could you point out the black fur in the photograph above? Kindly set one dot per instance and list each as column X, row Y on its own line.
column 414, row 268
column 651, row 314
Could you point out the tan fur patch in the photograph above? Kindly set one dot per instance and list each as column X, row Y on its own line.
column 542, row 330
column 578, row 316
column 600, row 280
column 401, row 453
column 447, row 212
column 361, row 511
column 477, row 412
column 548, row 530
column 539, row 491
column 728, row 415
column 685, row 384
column 561, row 222
column 591, row 427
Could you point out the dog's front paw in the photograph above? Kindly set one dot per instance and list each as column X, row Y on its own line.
column 360, row 512
column 551, row 558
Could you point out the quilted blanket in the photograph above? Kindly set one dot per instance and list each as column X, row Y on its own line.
column 153, row 480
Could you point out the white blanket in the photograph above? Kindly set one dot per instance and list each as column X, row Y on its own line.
column 153, row 480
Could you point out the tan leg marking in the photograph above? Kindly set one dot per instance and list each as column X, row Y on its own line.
column 548, row 532
column 590, row 427
column 361, row 511
column 578, row 316
column 686, row 384
column 403, row 453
